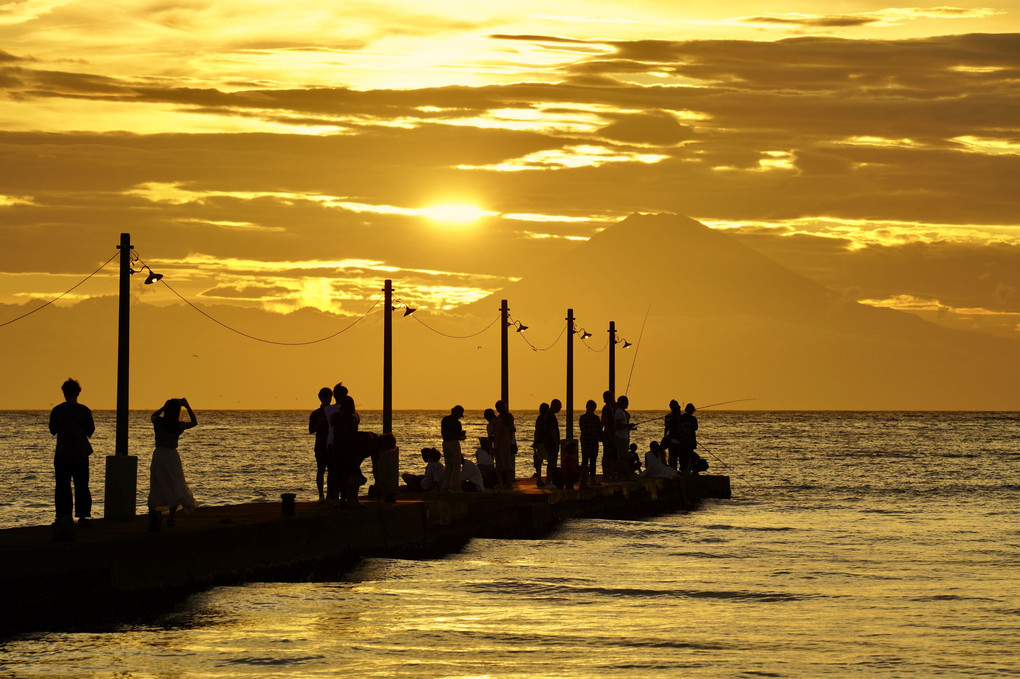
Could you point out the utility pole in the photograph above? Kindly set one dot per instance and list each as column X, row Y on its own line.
column 121, row 468
column 612, row 357
column 570, row 374
column 387, row 393
column 504, row 347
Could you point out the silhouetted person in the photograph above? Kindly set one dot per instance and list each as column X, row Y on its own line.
column 71, row 422
column 332, row 459
column 551, row 441
column 432, row 479
column 570, row 468
column 608, row 421
column 490, row 424
column 687, row 429
column 671, row 437
column 486, row 463
column 633, row 460
column 504, row 446
column 470, row 476
column 167, row 487
column 318, row 425
column 655, row 464
column 590, row 432
column 346, row 457
column 622, row 436
column 453, row 433
column 434, row 470
column 483, row 456
column 537, row 444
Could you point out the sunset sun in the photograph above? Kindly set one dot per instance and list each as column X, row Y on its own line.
column 456, row 214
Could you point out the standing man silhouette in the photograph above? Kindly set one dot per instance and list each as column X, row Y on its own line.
column 608, row 435
column 453, row 433
column 318, row 425
column 71, row 422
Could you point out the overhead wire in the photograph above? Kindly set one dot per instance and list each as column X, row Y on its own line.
column 66, row 292
column 261, row 339
column 555, row 341
column 596, row 351
column 438, row 332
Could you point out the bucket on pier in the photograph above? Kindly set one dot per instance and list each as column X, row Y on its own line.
column 287, row 504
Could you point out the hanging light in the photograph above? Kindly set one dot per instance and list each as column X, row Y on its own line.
column 151, row 278
column 585, row 334
column 626, row 344
column 409, row 310
column 521, row 327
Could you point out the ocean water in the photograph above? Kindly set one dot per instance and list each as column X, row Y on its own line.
column 856, row 545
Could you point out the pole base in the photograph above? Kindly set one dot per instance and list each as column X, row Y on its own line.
column 121, row 486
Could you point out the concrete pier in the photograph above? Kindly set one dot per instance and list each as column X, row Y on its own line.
column 118, row 570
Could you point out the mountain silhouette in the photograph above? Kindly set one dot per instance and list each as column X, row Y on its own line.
column 725, row 321
column 709, row 320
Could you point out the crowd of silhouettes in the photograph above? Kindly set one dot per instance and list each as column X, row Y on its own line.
column 341, row 447
column 559, row 462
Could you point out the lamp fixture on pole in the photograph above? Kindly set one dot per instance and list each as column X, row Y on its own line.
column 151, row 278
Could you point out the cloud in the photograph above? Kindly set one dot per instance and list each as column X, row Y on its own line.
column 888, row 142
column 248, row 292
column 652, row 129
column 885, row 17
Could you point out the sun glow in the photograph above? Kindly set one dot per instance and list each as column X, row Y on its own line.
column 456, row 213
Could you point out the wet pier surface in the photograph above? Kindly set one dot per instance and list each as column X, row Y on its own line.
column 116, row 570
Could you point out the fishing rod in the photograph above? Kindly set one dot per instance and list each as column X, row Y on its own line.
column 660, row 417
column 723, row 403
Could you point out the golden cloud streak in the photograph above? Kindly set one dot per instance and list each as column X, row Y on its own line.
column 569, row 157
column 12, row 201
column 176, row 194
column 863, row 233
column 997, row 322
column 991, row 147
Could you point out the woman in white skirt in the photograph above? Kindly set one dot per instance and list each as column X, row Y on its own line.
column 167, row 487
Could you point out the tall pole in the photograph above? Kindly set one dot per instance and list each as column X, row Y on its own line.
column 387, row 389
column 612, row 357
column 570, row 374
column 122, row 469
column 123, row 346
column 504, row 347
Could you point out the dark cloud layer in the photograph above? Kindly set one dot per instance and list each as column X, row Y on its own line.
column 920, row 131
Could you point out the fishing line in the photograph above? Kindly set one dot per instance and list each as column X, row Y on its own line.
column 636, row 349
column 721, row 461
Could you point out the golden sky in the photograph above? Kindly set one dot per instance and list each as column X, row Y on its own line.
column 273, row 157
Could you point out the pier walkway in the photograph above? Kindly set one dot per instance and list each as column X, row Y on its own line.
column 117, row 570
